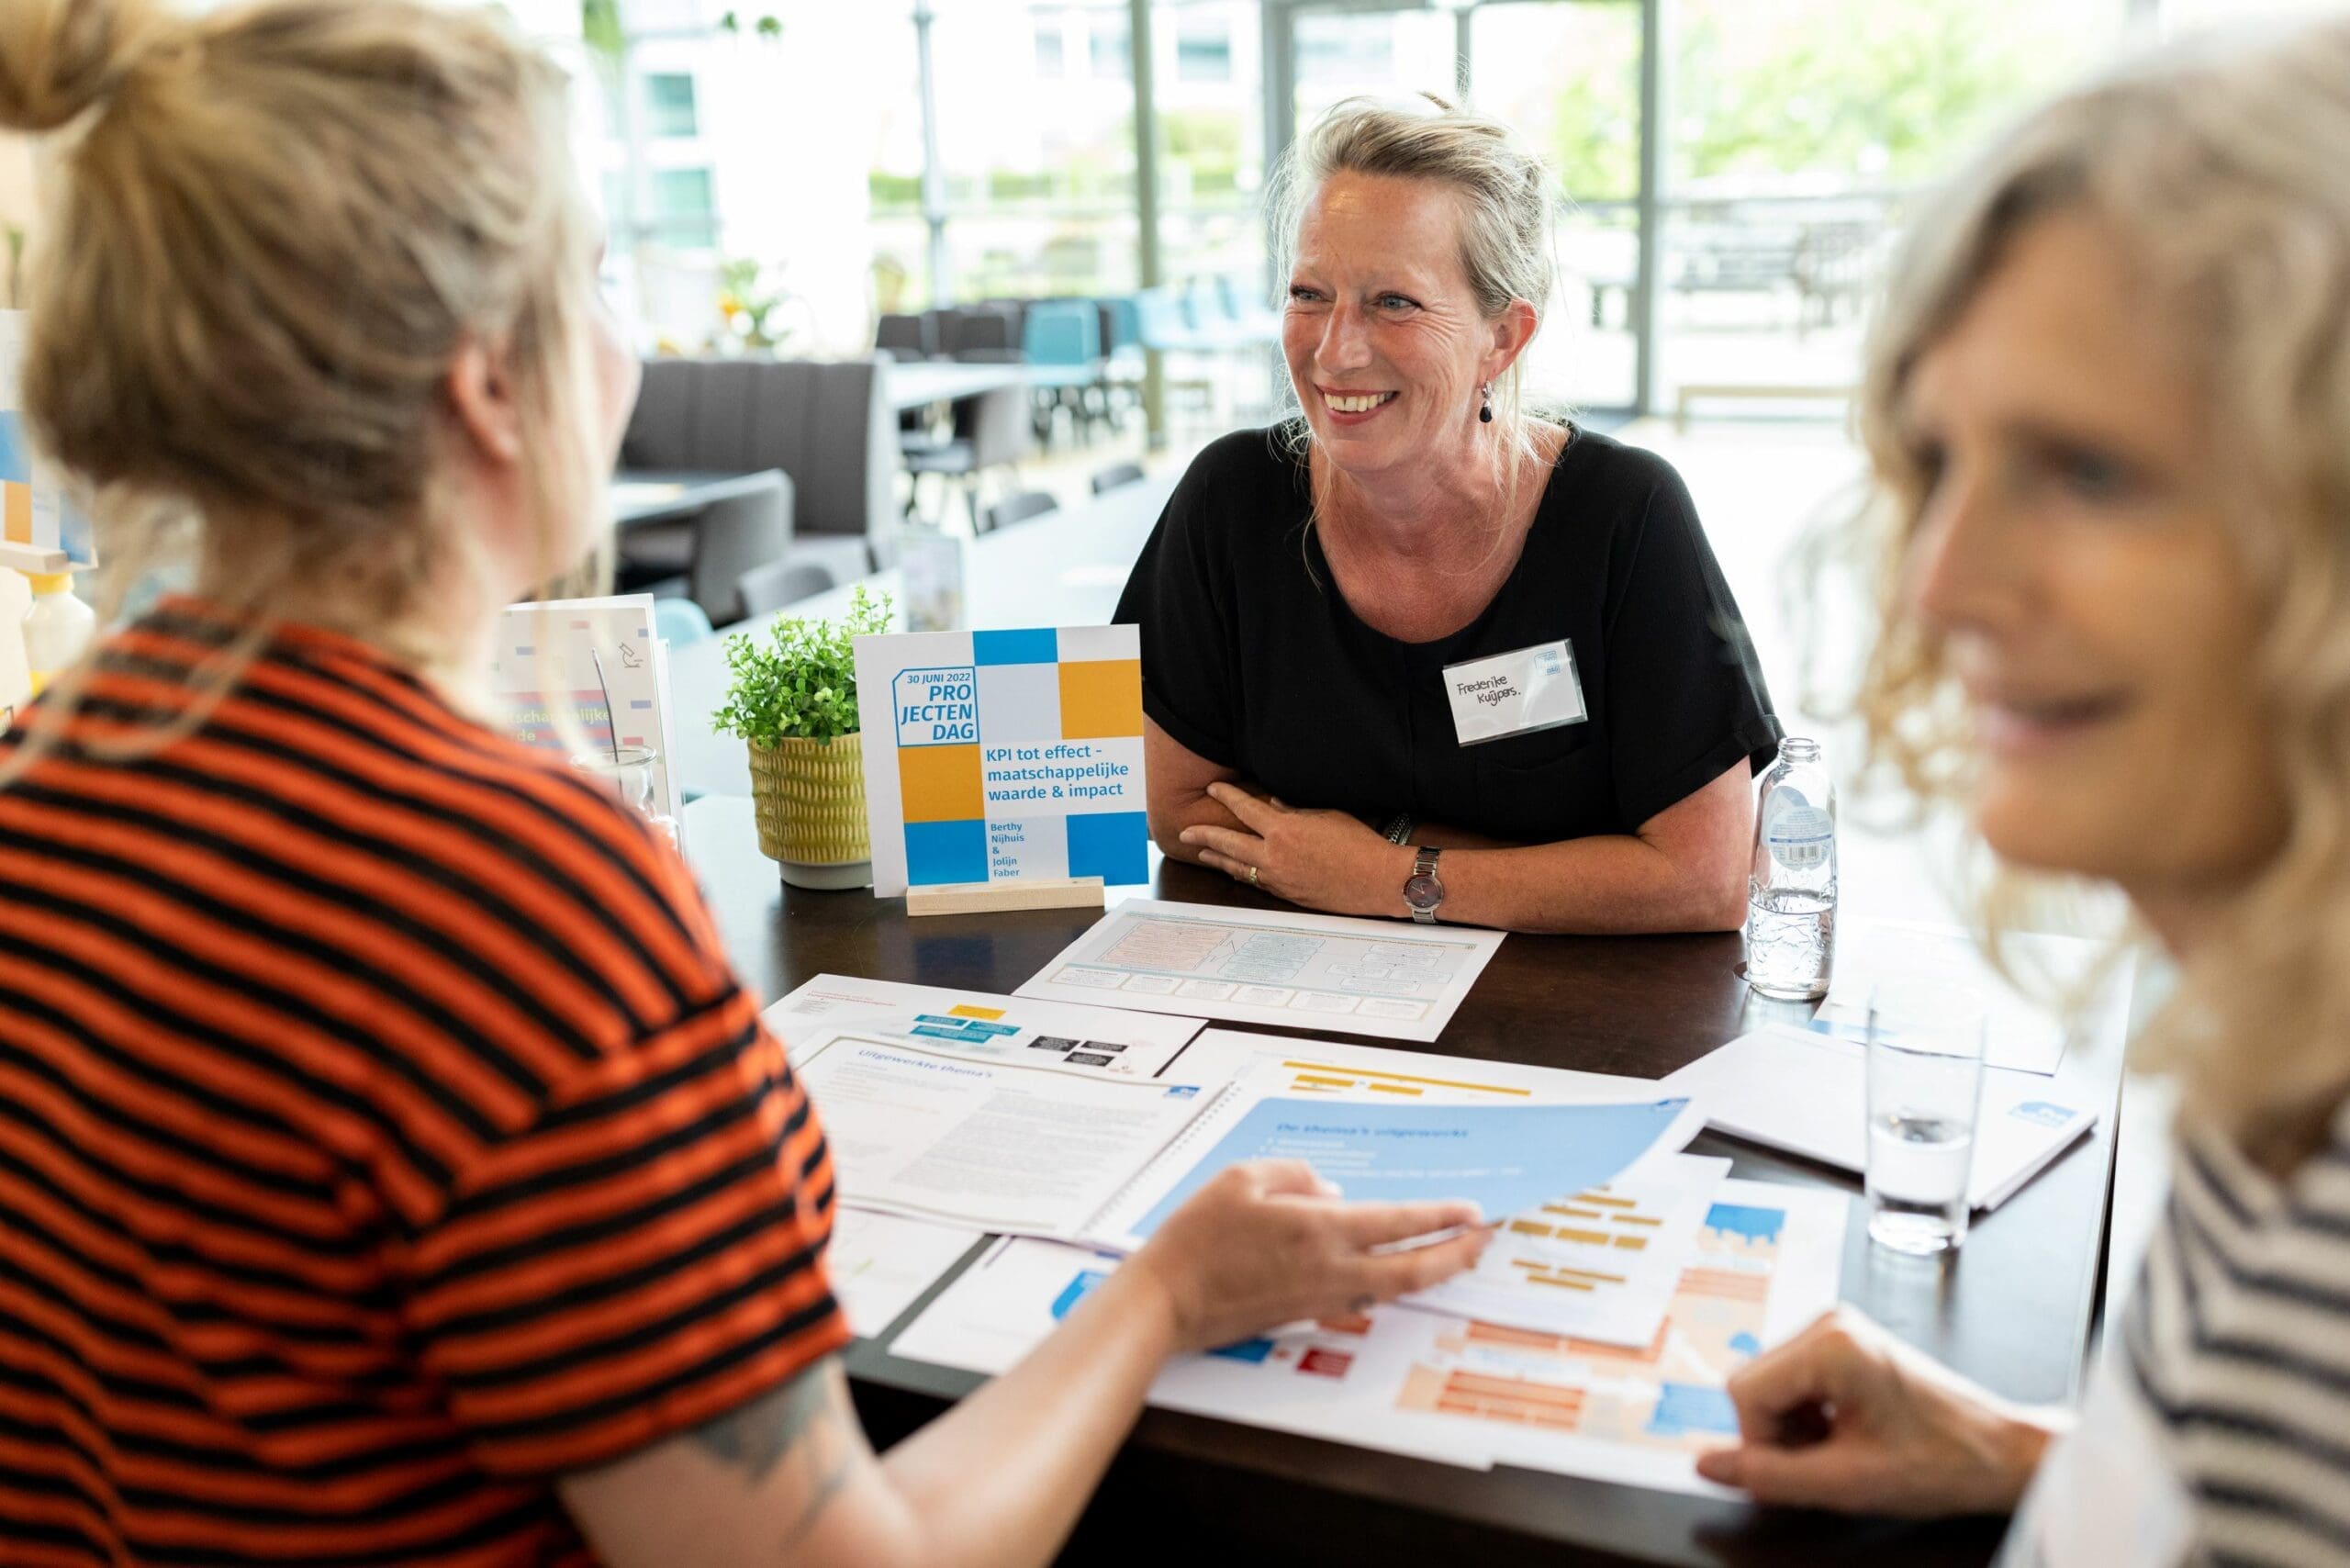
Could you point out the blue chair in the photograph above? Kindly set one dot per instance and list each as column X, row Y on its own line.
column 1256, row 319
column 1162, row 329
column 680, row 621
column 1160, row 323
column 1122, row 361
column 1061, row 340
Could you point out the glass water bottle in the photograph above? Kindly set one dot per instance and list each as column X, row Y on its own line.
column 1791, row 892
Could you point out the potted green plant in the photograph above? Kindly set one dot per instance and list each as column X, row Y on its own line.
column 793, row 700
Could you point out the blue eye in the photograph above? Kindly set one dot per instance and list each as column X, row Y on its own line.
column 1301, row 294
column 1395, row 302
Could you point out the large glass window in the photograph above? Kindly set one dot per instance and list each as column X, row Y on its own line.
column 1037, row 170
column 1212, row 147
column 1798, row 128
column 1569, row 77
column 1202, row 49
column 1111, row 48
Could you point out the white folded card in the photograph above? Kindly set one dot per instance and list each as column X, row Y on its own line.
column 1806, row 1092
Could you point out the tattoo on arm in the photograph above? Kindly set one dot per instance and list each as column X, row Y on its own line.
column 802, row 1420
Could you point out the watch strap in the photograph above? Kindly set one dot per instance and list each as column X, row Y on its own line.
column 1424, row 865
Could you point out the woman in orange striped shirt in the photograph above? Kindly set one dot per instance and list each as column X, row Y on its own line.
column 390, row 1167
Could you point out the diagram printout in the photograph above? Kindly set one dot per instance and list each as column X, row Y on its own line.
column 1599, row 1264
column 1505, row 1156
column 1002, row 1146
column 1365, row 976
column 974, row 1023
column 1334, row 1379
column 1766, row 1262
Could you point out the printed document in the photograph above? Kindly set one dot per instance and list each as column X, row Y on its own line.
column 1559, row 1272
column 1505, row 1156
column 975, row 1022
column 2026, row 1033
column 1808, row 1094
column 1334, row 1380
column 1597, row 1264
column 1385, row 977
column 1000, row 1146
column 1765, row 1263
column 879, row 1264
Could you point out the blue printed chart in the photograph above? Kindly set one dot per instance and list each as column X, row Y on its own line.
column 1765, row 1263
column 1505, row 1158
column 994, row 757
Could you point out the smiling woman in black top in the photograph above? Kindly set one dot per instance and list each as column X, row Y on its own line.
column 1417, row 623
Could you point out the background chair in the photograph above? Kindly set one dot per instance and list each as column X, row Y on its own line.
column 1019, row 509
column 680, row 623
column 828, row 424
column 1062, row 341
column 766, row 590
column 1117, row 474
column 992, row 430
column 907, row 337
column 714, row 547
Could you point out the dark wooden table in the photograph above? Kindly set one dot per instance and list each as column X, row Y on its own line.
column 2013, row 1311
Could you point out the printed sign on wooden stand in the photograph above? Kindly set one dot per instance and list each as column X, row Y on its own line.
column 1003, row 769
column 40, row 530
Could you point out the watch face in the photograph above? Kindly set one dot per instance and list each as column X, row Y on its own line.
column 1424, row 892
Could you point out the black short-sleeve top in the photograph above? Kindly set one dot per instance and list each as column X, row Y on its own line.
column 1252, row 658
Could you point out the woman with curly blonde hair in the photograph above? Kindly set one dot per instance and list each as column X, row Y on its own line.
column 2109, row 400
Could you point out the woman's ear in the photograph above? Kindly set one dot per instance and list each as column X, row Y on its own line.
column 1513, row 330
column 481, row 394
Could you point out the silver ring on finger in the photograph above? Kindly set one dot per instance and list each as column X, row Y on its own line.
column 1252, row 876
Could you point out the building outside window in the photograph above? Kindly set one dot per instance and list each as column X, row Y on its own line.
column 684, row 209
column 1202, row 49
column 1111, row 49
column 669, row 106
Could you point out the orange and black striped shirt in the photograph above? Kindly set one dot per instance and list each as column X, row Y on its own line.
column 382, row 1131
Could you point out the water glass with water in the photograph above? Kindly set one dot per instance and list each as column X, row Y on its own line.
column 1925, row 1082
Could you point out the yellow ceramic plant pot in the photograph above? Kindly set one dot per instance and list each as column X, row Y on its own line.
column 809, row 797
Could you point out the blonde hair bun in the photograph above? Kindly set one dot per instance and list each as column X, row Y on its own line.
column 60, row 58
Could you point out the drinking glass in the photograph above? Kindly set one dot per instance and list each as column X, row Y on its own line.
column 628, row 771
column 1925, row 1083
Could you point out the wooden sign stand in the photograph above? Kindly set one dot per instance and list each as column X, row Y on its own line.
column 989, row 898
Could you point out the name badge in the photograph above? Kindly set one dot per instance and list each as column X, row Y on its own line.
column 1514, row 693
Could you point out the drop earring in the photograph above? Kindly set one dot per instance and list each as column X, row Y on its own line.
column 1485, row 412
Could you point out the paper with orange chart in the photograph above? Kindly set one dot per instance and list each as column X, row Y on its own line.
column 1286, row 968
column 1599, row 1264
column 1765, row 1263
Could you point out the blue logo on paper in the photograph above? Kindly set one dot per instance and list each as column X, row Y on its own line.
column 1744, row 1219
column 1075, row 1290
column 2043, row 1113
column 936, row 707
column 1685, row 1407
column 1183, row 1090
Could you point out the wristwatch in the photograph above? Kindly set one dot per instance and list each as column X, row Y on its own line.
column 1423, row 892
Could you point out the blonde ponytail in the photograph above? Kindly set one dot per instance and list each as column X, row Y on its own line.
column 271, row 231
column 58, row 57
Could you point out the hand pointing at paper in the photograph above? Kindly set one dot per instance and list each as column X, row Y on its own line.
column 1269, row 1242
